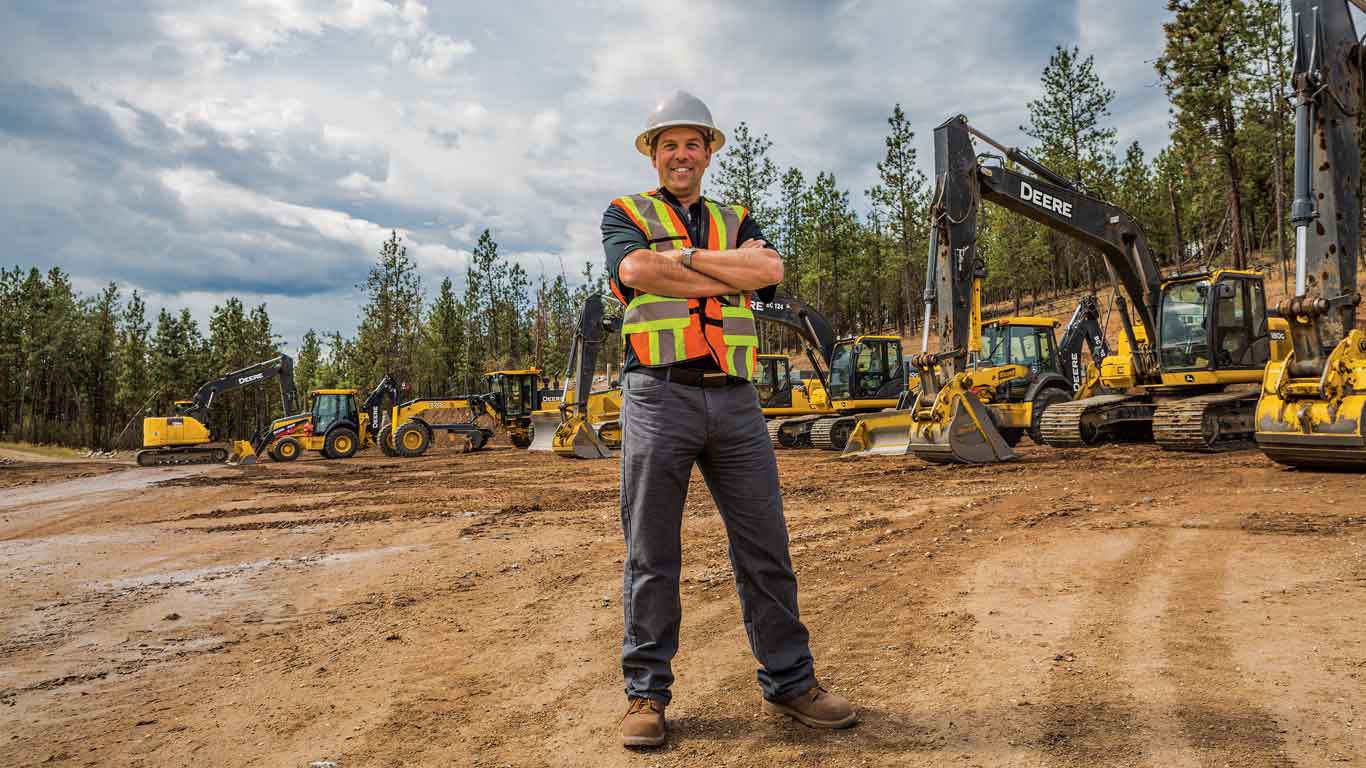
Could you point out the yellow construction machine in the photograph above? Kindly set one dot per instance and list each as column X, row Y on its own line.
column 781, row 396
column 1312, row 411
column 338, row 423
column 1178, row 369
column 587, row 424
column 187, row 437
column 1021, row 371
column 855, row 375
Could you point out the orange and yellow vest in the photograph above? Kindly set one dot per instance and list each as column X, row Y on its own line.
column 663, row 330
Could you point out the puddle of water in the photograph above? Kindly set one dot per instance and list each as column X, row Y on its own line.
column 65, row 491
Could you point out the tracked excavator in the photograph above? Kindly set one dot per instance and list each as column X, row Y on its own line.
column 855, row 375
column 1193, row 343
column 1020, row 371
column 187, row 437
column 1313, row 402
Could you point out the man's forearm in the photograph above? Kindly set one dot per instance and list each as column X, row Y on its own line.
column 657, row 273
column 746, row 268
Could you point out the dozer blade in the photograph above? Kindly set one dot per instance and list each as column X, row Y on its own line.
column 243, row 454
column 543, row 426
column 967, row 436
column 881, row 434
column 576, row 438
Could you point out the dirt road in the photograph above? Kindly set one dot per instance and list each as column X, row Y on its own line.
column 1116, row 606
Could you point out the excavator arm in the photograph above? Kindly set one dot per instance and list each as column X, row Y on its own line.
column 281, row 368
column 814, row 330
column 1313, row 402
column 1083, row 330
column 575, row 435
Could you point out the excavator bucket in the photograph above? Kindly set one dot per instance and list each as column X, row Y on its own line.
column 576, row 438
column 243, row 454
column 881, row 434
column 543, row 427
column 960, row 431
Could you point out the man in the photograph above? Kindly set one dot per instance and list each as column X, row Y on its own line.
column 686, row 266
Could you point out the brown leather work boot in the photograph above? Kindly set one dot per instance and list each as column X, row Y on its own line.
column 643, row 725
column 815, row 707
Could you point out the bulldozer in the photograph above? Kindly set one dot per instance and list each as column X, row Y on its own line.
column 854, row 375
column 1021, row 371
column 1313, row 402
column 1183, row 362
column 187, row 437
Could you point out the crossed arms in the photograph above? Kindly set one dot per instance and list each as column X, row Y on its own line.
column 749, row 267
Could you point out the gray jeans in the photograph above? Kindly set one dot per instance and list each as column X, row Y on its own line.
column 666, row 429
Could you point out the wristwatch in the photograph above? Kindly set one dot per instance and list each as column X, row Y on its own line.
column 687, row 256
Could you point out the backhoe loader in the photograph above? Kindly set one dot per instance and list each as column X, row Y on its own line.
column 1021, row 371
column 1194, row 338
column 1312, row 410
column 859, row 374
column 187, row 437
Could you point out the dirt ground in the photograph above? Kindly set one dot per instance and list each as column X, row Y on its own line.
column 1112, row 606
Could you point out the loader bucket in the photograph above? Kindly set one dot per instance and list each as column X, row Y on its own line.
column 576, row 438
column 881, row 434
column 543, row 426
column 959, row 432
column 243, row 454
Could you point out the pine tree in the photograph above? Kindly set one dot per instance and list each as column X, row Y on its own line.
column 307, row 367
column 745, row 174
column 900, row 193
column 391, row 319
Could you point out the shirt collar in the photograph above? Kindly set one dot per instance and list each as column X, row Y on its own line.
column 669, row 197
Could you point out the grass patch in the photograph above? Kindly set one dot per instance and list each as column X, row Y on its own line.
column 52, row 451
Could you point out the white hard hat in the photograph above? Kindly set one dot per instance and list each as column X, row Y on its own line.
column 682, row 108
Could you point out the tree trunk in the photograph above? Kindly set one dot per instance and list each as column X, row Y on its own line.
column 1178, row 242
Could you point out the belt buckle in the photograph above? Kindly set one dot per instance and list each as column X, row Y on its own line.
column 713, row 378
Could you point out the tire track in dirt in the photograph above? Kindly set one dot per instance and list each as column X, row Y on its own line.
column 1091, row 713
column 1218, row 715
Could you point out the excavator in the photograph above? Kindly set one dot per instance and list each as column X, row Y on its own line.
column 780, row 396
column 187, row 437
column 1192, row 340
column 1313, row 401
column 860, row 374
column 582, row 431
column 1021, row 371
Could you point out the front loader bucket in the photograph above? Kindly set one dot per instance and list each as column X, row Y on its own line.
column 576, row 438
column 243, row 454
column 543, row 426
column 881, row 434
column 959, row 432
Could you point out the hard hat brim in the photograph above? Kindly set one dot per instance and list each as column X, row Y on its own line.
column 718, row 139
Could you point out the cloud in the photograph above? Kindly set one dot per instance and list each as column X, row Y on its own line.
column 193, row 149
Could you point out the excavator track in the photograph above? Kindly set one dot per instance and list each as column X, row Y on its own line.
column 832, row 433
column 1213, row 422
column 1075, row 424
column 790, row 432
column 160, row 457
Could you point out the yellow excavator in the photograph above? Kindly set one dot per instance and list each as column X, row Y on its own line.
column 587, row 425
column 1183, row 363
column 1312, row 410
column 780, row 396
column 854, row 375
column 1021, row 371
column 187, row 437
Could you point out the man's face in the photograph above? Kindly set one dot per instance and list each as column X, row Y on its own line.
column 681, row 157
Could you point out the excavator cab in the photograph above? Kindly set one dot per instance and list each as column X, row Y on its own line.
column 866, row 370
column 773, row 381
column 1026, row 341
column 1213, row 322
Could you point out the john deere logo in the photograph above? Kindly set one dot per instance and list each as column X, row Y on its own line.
column 1190, row 378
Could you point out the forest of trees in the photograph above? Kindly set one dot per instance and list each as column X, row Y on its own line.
column 79, row 369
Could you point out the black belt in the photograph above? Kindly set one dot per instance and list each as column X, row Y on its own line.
column 691, row 377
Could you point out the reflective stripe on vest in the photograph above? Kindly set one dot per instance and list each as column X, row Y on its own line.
column 663, row 330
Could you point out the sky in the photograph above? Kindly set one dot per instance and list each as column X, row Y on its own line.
column 264, row 149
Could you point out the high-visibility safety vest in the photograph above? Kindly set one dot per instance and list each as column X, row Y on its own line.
column 664, row 330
